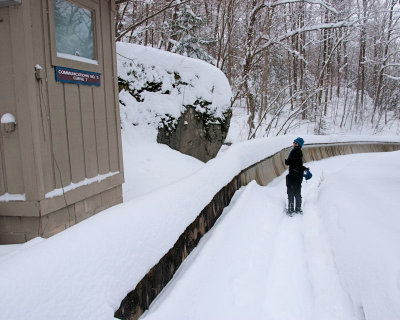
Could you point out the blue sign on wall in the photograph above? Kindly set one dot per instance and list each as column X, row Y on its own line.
column 69, row 75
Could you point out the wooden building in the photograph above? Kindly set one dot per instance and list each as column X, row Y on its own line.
column 60, row 140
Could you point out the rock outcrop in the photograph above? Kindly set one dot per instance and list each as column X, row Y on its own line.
column 187, row 100
column 194, row 134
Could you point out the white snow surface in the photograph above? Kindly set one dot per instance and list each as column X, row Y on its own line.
column 7, row 118
column 85, row 271
column 140, row 64
column 12, row 197
column 76, row 58
column 84, row 182
column 339, row 260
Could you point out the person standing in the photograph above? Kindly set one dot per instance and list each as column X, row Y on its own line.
column 295, row 176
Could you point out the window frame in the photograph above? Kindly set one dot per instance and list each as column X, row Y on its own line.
column 70, row 63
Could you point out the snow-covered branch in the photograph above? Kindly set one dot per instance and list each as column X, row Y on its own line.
column 291, row 33
column 314, row 2
column 170, row 5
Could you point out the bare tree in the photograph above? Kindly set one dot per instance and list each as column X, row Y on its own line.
column 385, row 59
column 288, row 61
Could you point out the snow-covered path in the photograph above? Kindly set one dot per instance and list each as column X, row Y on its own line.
column 340, row 260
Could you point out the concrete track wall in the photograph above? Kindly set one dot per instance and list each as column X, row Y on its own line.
column 268, row 169
column 139, row 300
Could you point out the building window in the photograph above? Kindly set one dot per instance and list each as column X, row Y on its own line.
column 74, row 30
column 75, row 34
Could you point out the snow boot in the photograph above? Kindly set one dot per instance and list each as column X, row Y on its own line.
column 290, row 210
column 298, row 205
column 299, row 210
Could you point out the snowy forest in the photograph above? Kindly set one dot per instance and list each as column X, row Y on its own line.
column 289, row 62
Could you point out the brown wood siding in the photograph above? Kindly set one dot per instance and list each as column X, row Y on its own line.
column 70, row 131
column 83, row 124
column 27, row 109
column 100, row 116
column 65, row 132
column 11, row 178
column 39, row 43
column 59, row 133
column 74, row 131
column 111, row 18
column 109, row 84
column 88, row 132
column 20, row 159
column 2, row 170
column 5, row 87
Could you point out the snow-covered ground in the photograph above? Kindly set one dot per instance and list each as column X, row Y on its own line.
column 340, row 260
column 344, row 242
column 85, row 271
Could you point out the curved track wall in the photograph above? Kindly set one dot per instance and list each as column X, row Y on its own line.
column 264, row 171
column 268, row 169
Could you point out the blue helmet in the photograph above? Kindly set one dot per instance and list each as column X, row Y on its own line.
column 299, row 141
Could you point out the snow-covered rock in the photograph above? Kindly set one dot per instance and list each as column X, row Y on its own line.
column 186, row 100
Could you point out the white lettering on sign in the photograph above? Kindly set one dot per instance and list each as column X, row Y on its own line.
column 77, row 76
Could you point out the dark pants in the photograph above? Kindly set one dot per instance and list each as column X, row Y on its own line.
column 293, row 184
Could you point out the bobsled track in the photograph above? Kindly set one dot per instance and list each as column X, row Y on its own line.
column 329, row 263
column 258, row 263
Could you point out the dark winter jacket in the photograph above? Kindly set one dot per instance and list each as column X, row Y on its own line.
column 295, row 162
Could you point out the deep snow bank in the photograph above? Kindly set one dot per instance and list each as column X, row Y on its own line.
column 339, row 261
column 176, row 81
column 85, row 271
